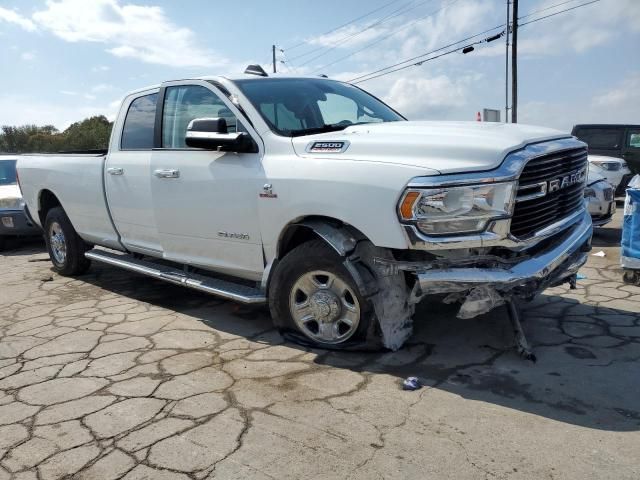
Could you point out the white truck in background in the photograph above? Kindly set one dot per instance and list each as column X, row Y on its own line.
column 313, row 196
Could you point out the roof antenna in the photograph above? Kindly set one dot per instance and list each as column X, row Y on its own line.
column 255, row 70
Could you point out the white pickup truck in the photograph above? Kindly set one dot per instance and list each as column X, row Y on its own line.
column 315, row 197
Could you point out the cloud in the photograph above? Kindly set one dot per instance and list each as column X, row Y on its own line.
column 421, row 96
column 28, row 56
column 25, row 109
column 102, row 87
column 128, row 31
column 578, row 30
column 618, row 104
column 11, row 16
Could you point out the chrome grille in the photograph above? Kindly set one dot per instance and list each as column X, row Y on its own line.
column 538, row 203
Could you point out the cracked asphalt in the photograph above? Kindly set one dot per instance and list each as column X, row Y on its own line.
column 113, row 375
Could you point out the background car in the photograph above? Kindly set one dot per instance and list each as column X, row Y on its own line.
column 620, row 141
column 13, row 220
column 614, row 170
column 600, row 200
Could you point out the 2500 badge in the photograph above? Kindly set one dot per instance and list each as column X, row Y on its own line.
column 328, row 147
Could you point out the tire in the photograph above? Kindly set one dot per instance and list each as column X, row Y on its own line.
column 631, row 277
column 66, row 249
column 314, row 301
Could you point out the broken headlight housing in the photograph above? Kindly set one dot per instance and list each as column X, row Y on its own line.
column 457, row 210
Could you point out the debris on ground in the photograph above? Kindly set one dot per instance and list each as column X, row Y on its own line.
column 411, row 383
column 580, row 276
column 599, row 254
column 478, row 301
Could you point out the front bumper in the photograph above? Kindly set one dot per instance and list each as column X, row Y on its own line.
column 16, row 223
column 548, row 267
column 601, row 207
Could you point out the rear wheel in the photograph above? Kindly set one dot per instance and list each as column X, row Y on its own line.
column 314, row 300
column 66, row 248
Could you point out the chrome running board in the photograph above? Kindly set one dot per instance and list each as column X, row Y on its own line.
column 215, row 286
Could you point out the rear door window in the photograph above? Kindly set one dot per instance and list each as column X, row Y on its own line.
column 137, row 133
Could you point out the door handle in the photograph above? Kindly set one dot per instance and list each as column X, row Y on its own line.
column 115, row 171
column 167, row 173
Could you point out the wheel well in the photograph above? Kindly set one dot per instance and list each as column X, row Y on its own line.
column 47, row 201
column 302, row 231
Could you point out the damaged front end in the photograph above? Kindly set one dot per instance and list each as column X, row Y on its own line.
column 485, row 238
column 483, row 281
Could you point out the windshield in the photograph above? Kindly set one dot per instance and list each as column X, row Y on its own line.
column 8, row 172
column 302, row 106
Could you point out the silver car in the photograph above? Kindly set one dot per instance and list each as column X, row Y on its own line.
column 600, row 200
column 13, row 220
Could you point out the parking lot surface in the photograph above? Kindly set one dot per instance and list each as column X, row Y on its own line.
column 113, row 375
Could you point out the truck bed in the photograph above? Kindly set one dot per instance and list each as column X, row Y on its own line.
column 76, row 180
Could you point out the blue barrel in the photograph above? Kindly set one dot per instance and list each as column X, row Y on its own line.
column 630, row 257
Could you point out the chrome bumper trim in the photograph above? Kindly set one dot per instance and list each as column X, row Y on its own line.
column 544, row 268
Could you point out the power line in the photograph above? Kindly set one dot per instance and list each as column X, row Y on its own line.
column 322, row 47
column 558, row 13
column 427, row 53
column 448, row 52
column 385, row 71
column 344, row 24
column 369, row 45
column 395, row 13
column 546, row 8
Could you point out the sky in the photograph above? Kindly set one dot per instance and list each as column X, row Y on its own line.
column 65, row 60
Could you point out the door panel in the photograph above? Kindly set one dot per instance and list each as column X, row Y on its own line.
column 206, row 212
column 215, row 192
column 128, row 182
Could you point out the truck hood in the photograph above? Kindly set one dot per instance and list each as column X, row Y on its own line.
column 439, row 147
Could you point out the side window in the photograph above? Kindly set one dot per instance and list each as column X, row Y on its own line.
column 601, row 138
column 633, row 139
column 137, row 133
column 185, row 103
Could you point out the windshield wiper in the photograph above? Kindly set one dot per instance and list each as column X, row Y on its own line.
column 323, row 129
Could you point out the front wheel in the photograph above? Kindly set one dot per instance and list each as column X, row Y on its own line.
column 314, row 300
column 66, row 248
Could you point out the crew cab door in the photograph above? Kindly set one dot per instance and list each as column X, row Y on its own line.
column 205, row 201
column 127, row 174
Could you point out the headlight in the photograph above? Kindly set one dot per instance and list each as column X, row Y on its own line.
column 589, row 192
column 457, row 210
column 608, row 165
column 11, row 203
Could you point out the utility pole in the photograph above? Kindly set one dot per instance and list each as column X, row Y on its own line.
column 273, row 55
column 506, row 66
column 514, row 65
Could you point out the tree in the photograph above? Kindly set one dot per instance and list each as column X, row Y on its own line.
column 90, row 133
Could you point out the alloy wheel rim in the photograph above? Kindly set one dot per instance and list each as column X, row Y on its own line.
column 324, row 307
column 58, row 243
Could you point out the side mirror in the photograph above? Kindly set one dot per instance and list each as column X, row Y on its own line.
column 212, row 134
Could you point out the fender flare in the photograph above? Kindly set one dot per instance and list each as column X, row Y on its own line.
column 341, row 238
